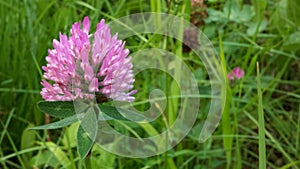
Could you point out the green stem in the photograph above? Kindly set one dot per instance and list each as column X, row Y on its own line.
column 261, row 125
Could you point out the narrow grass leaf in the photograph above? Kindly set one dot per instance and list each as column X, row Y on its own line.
column 84, row 4
column 6, row 124
column 14, row 147
column 298, row 132
column 290, row 165
column 226, row 121
column 261, row 125
column 274, row 141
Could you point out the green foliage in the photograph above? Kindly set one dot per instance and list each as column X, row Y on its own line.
column 59, row 124
column 57, row 109
column 84, row 143
column 261, row 123
column 87, row 123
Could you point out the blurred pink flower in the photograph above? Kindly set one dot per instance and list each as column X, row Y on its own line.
column 86, row 63
column 194, row 2
column 230, row 76
column 237, row 73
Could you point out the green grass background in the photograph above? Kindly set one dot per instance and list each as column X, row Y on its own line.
column 260, row 127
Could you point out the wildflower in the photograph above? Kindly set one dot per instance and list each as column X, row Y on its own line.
column 84, row 63
column 237, row 73
column 198, row 12
column 230, row 76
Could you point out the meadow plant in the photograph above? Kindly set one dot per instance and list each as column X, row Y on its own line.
column 85, row 67
column 236, row 73
column 92, row 62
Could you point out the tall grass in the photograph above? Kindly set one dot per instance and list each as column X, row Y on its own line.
column 261, row 124
column 261, row 121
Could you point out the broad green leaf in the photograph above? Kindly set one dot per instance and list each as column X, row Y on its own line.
column 84, row 143
column 211, row 29
column 27, row 140
column 66, row 109
column 57, row 108
column 215, row 16
column 112, row 112
column 237, row 14
column 59, row 154
column 253, row 26
column 105, row 160
column 292, row 42
column 44, row 158
column 87, row 132
column 58, row 124
column 69, row 138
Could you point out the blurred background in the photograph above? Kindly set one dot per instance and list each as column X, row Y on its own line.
column 245, row 32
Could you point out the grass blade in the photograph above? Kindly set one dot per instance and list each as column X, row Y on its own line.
column 226, row 125
column 261, row 124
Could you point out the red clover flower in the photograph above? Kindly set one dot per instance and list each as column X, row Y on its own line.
column 84, row 63
column 237, row 73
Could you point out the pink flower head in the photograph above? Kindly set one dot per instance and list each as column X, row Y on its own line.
column 237, row 73
column 87, row 63
column 230, row 76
